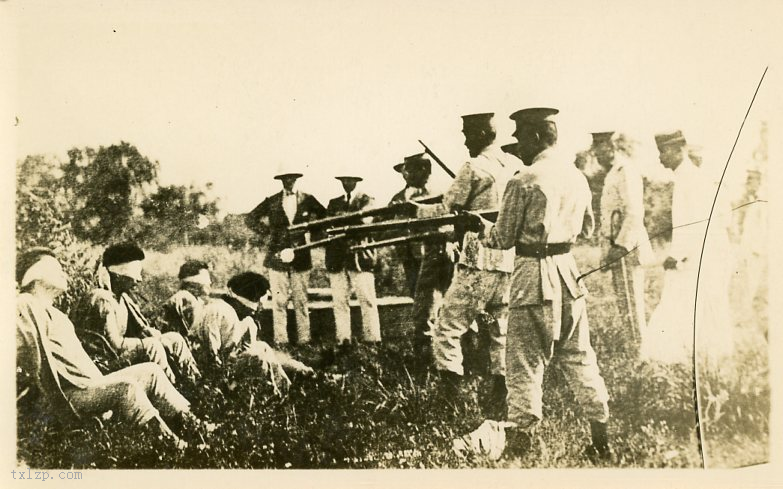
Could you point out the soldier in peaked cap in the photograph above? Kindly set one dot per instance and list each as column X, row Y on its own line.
column 415, row 170
column 626, row 244
column 481, row 277
column 548, row 319
column 428, row 269
column 669, row 335
column 283, row 209
column 349, row 270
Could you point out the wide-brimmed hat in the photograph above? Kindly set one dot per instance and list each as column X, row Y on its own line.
column 349, row 177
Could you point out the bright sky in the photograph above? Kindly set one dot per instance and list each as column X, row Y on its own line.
column 225, row 92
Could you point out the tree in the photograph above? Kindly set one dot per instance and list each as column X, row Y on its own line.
column 42, row 210
column 105, row 187
column 174, row 213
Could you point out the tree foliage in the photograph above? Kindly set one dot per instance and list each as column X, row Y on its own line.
column 174, row 213
column 105, row 187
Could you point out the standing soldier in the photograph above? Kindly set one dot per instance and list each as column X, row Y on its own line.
column 288, row 275
column 416, row 170
column 544, row 209
column 352, row 270
column 428, row 268
column 625, row 241
column 481, row 278
column 692, row 263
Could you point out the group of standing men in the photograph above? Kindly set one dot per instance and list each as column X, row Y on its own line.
column 515, row 277
column 522, row 261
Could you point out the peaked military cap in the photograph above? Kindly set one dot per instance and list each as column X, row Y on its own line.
column 535, row 114
column 670, row 138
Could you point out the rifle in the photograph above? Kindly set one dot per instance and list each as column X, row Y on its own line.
column 345, row 219
column 437, row 160
column 398, row 240
column 409, row 224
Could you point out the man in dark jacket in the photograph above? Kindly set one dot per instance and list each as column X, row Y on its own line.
column 428, row 268
column 349, row 270
column 287, row 272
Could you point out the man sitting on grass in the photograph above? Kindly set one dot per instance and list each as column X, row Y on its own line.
column 185, row 307
column 113, row 327
column 49, row 352
column 227, row 331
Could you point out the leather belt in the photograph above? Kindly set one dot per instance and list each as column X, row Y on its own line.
column 540, row 250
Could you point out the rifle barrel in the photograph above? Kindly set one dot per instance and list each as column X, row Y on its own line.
column 340, row 219
column 444, row 220
column 438, row 160
column 397, row 240
column 320, row 242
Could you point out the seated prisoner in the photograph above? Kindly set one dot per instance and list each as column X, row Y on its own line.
column 110, row 322
column 227, row 331
column 185, row 307
column 62, row 373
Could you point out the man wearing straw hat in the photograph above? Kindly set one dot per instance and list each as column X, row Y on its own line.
column 349, row 270
column 288, row 275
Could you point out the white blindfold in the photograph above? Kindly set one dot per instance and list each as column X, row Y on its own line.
column 202, row 278
column 47, row 269
column 131, row 269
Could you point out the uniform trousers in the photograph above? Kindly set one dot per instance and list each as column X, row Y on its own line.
column 433, row 281
column 527, row 355
column 139, row 393
column 364, row 285
column 293, row 284
column 472, row 291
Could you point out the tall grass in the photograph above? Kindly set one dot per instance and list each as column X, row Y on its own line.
column 378, row 415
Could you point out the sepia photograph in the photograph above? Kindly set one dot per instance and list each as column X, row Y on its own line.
column 374, row 235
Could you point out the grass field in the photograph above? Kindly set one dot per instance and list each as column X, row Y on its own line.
column 378, row 416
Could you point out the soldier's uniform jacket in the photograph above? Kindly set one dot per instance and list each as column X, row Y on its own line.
column 479, row 185
column 307, row 209
column 622, row 205
column 338, row 256
column 548, row 202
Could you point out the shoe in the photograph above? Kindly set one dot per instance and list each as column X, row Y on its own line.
column 599, row 450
